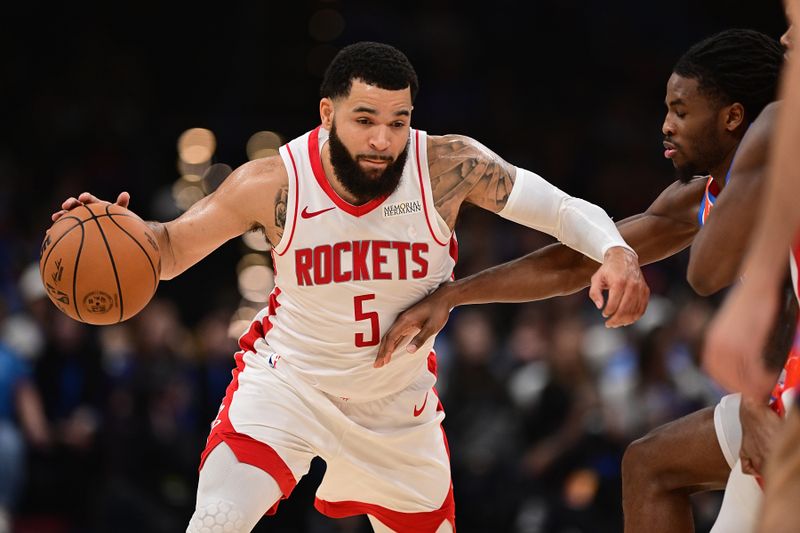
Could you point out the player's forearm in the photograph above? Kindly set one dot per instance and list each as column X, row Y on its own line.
column 555, row 270
column 537, row 204
column 780, row 217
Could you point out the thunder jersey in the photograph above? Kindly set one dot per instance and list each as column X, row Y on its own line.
column 343, row 273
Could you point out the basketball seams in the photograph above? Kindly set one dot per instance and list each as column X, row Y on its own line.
column 113, row 263
column 142, row 248
column 75, row 275
column 77, row 258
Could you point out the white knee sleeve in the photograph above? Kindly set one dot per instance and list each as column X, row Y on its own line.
column 231, row 496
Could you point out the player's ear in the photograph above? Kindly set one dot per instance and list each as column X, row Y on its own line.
column 326, row 112
column 734, row 116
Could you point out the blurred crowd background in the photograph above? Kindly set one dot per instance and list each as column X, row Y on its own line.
column 101, row 428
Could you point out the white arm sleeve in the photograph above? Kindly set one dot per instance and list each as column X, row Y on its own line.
column 583, row 226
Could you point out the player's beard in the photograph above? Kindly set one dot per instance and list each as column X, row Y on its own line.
column 709, row 154
column 364, row 186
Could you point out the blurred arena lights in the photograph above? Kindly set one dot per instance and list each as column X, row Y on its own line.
column 192, row 172
column 263, row 144
column 255, row 278
column 326, row 25
column 241, row 319
column 255, row 240
column 186, row 193
column 196, row 146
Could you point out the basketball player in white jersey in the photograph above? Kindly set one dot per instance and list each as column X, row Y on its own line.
column 713, row 97
column 360, row 213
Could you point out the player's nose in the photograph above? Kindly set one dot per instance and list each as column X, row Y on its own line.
column 668, row 128
column 380, row 140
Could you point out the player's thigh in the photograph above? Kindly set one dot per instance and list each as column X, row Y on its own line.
column 682, row 454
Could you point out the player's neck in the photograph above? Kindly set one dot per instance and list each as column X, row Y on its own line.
column 720, row 172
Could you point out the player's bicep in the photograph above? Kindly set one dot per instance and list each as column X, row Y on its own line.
column 247, row 199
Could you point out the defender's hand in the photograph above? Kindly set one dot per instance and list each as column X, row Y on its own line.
column 628, row 292
column 86, row 198
column 427, row 317
column 760, row 426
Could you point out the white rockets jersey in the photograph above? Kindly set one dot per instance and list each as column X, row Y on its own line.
column 343, row 273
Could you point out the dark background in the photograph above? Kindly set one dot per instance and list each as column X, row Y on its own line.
column 95, row 98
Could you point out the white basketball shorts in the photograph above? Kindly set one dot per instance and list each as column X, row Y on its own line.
column 387, row 458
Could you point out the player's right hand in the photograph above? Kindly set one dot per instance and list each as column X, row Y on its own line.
column 760, row 427
column 87, row 198
column 425, row 318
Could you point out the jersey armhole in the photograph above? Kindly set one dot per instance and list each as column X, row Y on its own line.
column 291, row 201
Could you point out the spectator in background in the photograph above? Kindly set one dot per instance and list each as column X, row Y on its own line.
column 21, row 419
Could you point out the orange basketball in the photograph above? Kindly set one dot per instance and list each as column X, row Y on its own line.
column 100, row 263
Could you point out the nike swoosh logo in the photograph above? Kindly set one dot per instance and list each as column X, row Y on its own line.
column 311, row 214
column 418, row 412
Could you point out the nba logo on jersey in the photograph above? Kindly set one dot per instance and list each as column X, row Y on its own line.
column 273, row 359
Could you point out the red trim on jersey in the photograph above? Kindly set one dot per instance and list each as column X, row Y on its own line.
column 422, row 190
column 433, row 369
column 395, row 520
column 322, row 179
column 453, row 254
column 296, row 200
column 247, row 449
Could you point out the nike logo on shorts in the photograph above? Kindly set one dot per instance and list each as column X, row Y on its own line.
column 311, row 214
column 418, row 412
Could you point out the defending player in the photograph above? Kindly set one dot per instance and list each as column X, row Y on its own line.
column 713, row 96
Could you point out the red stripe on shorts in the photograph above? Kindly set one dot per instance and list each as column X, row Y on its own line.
column 247, row 449
column 395, row 520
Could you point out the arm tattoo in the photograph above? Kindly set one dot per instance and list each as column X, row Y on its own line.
column 462, row 170
column 280, row 210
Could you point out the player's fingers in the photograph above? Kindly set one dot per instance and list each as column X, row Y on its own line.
column 402, row 328
column 626, row 312
column 88, row 198
column 616, row 291
column 123, row 199
column 596, row 290
column 747, row 466
column 58, row 214
column 421, row 337
column 70, row 203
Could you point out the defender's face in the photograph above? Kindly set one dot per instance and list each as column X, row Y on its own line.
column 692, row 131
column 373, row 124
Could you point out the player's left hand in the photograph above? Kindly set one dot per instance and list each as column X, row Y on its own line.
column 628, row 292
column 427, row 317
column 760, row 425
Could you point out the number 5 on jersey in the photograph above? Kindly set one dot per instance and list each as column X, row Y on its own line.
column 372, row 316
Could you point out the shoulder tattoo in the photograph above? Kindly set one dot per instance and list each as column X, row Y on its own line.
column 461, row 170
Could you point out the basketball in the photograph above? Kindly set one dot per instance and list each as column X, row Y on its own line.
column 100, row 263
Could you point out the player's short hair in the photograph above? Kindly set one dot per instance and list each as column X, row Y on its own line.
column 736, row 65
column 377, row 64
